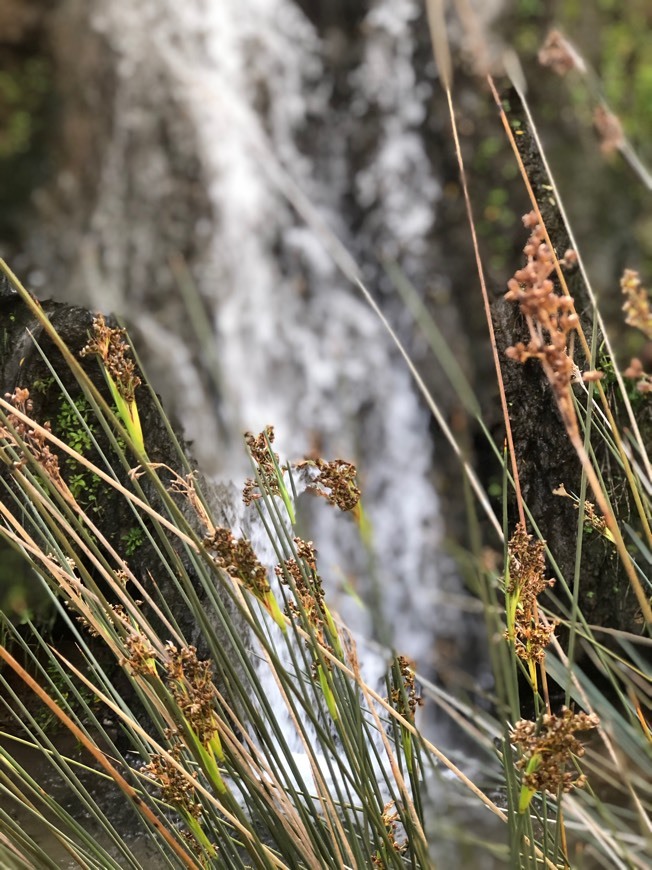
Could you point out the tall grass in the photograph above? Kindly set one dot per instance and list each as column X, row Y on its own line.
column 268, row 747
column 259, row 741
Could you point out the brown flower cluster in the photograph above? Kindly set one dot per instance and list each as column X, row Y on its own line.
column 591, row 516
column 527, row 565
column 595, row 520
column 391, row 822
column 191, row 682
column 140, row 656
column 176, row 789
column 35, row 441
column 547, row 749
column 404, row 698
column 109, row 344
column 336, row 481
column 309, row 589
column 609, row 129
column 638, row 313
column 635, row 370
column 527, row 581
column 637, row 303
column 550, row 318
column 264, row 458
column 558, row 54
column 237, row 558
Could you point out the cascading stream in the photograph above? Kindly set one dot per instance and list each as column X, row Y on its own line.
column 292, row 343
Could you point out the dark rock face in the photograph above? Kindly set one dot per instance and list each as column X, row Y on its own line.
column 22, row 366
column 546, row 460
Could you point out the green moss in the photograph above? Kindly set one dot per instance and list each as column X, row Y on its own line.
column 73, row 431
column 75, row 425
column 133, row 540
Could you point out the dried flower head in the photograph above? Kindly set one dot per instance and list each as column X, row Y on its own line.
column 550, row 318
column 176, row 788
column 570, row 259
column 109, row 344
column 637, row 303
column 532, row 637
column 119, row 615
column 559, row 54
column 309, row 592
column 547, row 748
column 526, row 582
column 592, row 377
column 609, row 129
column 140, row 656
column 237, row 558
column 635, row 370
column 404, row 696
column 391, row 822
column 190, row 680
column 527, row 565
column 591, row 516
column 264, row 458
column 307, row 551
column 35, row 440
column 336, row 481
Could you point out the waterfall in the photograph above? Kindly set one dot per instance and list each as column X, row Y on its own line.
column 211, row 104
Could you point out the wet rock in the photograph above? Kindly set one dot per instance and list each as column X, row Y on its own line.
column 24, row 349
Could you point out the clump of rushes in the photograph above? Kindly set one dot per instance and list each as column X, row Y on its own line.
column 270, row 472
column 238, row 559
column 108, row 343
column 525, row 580
column 547, row 748
column 184, row 685
column 309, row 593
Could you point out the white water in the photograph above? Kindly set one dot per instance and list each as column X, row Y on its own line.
column 240, row 93
column 295, row 345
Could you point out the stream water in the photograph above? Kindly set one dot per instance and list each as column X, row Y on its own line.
column 283, row 337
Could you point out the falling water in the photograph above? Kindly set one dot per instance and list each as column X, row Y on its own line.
column 218, row 111
column 246, row 95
